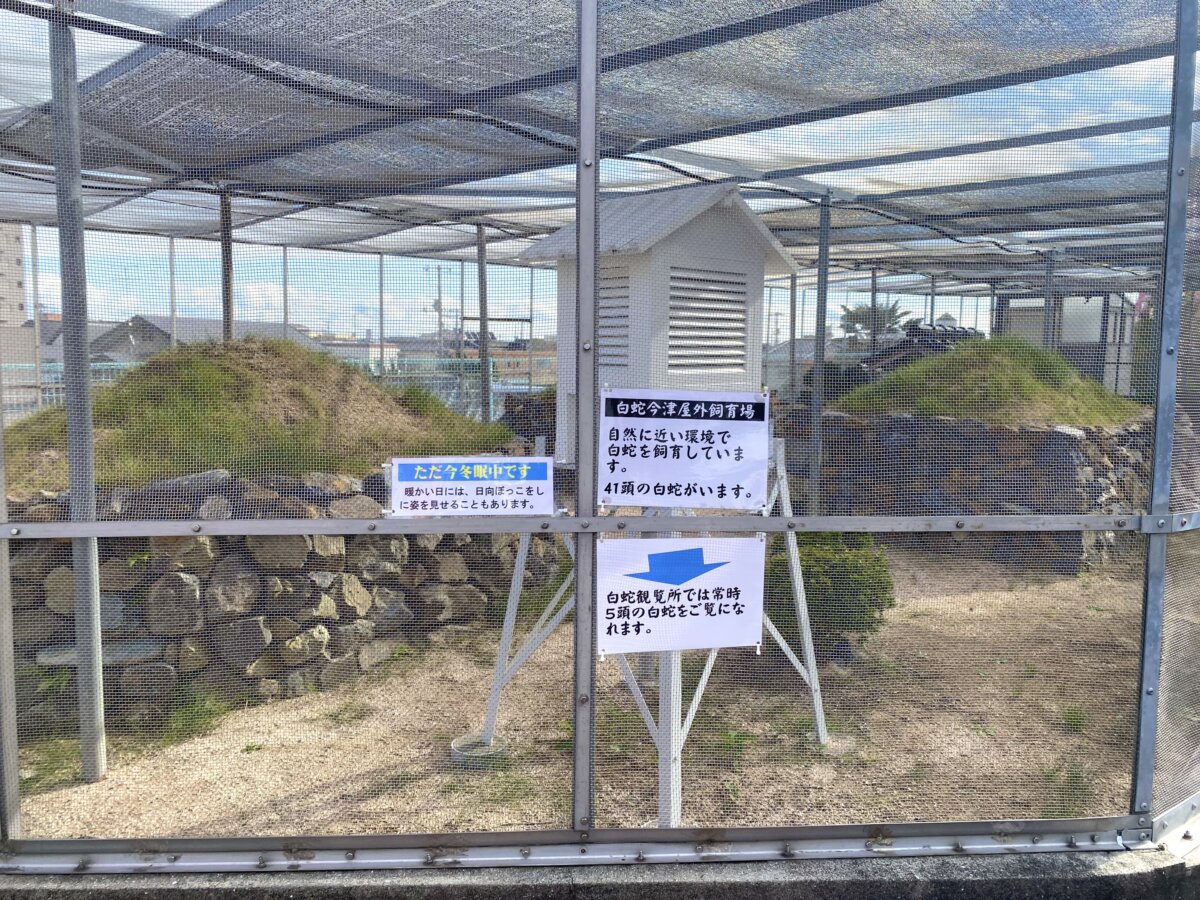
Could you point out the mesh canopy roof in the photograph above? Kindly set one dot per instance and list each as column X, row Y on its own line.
column 962, row 141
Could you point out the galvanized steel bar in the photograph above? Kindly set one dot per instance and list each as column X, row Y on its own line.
column 458, row 851
column 817, row 397
column 1048, row 312
column 874, row 311
column 171, row 298
column 36, row 294
column 792, row 335
column 670, row 739
column 379, row 281
column 577, row 525
column 587, row 190
column 76, row 374
column 226, row 268
column 485, row 340
column 285, row 292
column 10, row 764
column 1183, row 96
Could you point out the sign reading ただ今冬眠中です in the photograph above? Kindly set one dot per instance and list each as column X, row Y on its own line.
column 472, row 486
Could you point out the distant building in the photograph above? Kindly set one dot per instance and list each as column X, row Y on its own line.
column 141, row 337
column 12, row 275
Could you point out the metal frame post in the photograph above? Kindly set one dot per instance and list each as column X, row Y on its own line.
column 379, row 279
column 10, row 764
column 586, row 190
column 226, row 268
column 285, row 291
column 485, row 356
column 171, row 300
column 1120, row 343
column 440, row 319
column 670, row 739
column 36, row 295
column 874, row 311
column 817, row 398
column 932, row 299
column 80, row 460
column 792, row 335
column 1105, row 338
column 1164, row 412
column 1048, row 311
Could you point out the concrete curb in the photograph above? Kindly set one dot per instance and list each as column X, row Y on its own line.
column 1061, row 876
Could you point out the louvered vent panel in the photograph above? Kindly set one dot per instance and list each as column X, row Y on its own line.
column 708, row 320
column 612, row 329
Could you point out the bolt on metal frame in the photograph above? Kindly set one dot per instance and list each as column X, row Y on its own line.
column 581, row 843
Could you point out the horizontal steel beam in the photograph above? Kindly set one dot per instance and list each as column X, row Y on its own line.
column 598, row 847
column 566, row 525
column 1124, row 126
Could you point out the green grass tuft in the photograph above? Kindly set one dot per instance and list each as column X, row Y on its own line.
column 193, row 712
column 350, row 712
column 1002, row 381
column 249, row 406
column 1075, row 719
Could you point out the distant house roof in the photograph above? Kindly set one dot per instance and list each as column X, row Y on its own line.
column 634, row 224
column 196, row 330
column 53, row 347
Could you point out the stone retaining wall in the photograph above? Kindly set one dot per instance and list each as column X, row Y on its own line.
column 936, row 466
column 248, row 618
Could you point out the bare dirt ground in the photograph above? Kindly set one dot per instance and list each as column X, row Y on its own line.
column 988, row 694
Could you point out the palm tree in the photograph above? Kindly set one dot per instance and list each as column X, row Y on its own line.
column 856, row 318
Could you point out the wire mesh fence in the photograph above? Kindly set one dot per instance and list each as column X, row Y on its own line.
column 313, row 242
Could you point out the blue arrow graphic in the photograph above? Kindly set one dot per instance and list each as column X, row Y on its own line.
column 676, row 566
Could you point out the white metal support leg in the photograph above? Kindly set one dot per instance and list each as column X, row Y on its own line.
column 507, row 664
column 808, row 671
column 670, row 739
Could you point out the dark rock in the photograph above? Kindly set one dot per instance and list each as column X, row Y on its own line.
column 148, row 681
column 37, row 626
column 241, row 641
column 280, row 553
column 359, row 506
column 196, row 554
column 349, row 638
column 375, row 486
column 173, row 605
column 233, row 588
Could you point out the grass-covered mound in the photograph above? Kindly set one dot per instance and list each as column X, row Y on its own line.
column 254, row 407
column 1003, row 381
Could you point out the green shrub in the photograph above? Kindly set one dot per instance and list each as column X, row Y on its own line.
column 846, row 582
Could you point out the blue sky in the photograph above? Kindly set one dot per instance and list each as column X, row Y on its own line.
column 128, row 274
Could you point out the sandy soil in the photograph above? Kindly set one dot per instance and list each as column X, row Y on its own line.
column 986, row 695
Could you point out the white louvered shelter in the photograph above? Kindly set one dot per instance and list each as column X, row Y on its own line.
column 679, row 291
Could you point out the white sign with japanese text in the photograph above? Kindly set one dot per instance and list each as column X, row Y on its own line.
column 472, row 486
column 685, row 449
column 656, row 594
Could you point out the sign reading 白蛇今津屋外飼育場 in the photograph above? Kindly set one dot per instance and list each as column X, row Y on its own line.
column 472, row 486
column 685, row 449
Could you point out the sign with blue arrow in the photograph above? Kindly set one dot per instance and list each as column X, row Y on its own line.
column 657, row 594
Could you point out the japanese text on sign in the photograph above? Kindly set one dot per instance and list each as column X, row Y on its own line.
column 678, row 594
column 472, row 486
column 683, row 449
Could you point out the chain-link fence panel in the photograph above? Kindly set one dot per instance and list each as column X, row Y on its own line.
column 274, row 685
column 1185, row 457
column 986, row 676
column 1177, row 762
